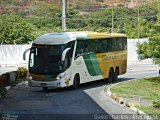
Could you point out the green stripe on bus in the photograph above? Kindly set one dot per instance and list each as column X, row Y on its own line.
column 82, row 38
column 92, row 64
column 51, row 76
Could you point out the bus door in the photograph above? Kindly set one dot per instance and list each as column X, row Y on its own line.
column 67, row 68
column 80, row 66
column 67, row 63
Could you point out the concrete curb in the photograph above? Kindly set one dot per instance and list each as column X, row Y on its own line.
column 121, row 101
column 8, row 88
column 24, row 83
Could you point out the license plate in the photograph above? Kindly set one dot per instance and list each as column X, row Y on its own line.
column 43, row 84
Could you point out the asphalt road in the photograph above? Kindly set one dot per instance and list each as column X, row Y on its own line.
column 88, row 102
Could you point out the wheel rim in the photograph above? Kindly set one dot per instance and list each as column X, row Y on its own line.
column 45, row 89
column 116, row 75
column 76, row 82
column 110, row 79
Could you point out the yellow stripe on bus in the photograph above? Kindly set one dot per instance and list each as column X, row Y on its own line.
column 112, row 59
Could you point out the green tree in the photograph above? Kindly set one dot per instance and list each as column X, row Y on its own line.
column 150, row 49
column 158, row 12
column 14, row 29
column 154, row 49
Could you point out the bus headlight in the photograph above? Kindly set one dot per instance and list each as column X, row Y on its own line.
column 60, row 76
column 30, row 78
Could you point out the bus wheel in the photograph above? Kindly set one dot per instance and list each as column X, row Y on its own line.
column 76, row 82
column 45, row 89
column 116, row 75
column 111, row 76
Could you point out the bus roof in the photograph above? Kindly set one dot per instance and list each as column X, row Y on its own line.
column 65, row 37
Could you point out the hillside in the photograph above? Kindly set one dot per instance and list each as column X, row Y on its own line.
column 44, row 16
column 14, row 6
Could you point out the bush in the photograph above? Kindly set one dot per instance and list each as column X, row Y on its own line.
column 15, row 29
column 22, row 72
column 156, row 104
column 3, row 92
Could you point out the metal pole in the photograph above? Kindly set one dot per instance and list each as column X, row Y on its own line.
column 1, row 50
column 158, row 9
column 112, row 20
column 63, row 16
column 138, row 20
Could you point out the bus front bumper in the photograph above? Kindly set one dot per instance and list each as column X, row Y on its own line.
column 53, row 84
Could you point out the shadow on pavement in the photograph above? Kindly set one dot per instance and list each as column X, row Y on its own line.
column 88, row 85
column 64, row 103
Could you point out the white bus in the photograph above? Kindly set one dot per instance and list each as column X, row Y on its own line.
column 70, row 58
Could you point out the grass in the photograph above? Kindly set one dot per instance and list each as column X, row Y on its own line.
column 150, row 110
column 147, row 88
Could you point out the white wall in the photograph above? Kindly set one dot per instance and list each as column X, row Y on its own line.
column 12, row 54
column 132, row 49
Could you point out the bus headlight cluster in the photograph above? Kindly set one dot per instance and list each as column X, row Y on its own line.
column 60, row 76
column 30, row 78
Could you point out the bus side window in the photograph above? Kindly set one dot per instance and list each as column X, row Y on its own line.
column 85, row 47
column 109, row 45
column 96, row 46
column 67, row 61
column 104, row 45
column 124, row 43
column 71, row 45
column 79, row 49
column 119, row 44
column 31, row 60
column 91, row 46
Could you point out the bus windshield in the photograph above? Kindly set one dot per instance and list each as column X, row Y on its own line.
column 46, row 59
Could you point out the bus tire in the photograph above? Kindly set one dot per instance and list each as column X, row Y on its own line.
column 116, row 73
column 45, row 89
column 111, row 76
column 76, row 82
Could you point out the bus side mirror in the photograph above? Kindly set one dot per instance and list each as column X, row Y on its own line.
column 64, row 53
column 25, row 52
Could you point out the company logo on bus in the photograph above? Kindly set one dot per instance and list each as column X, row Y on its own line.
column 113, row 56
